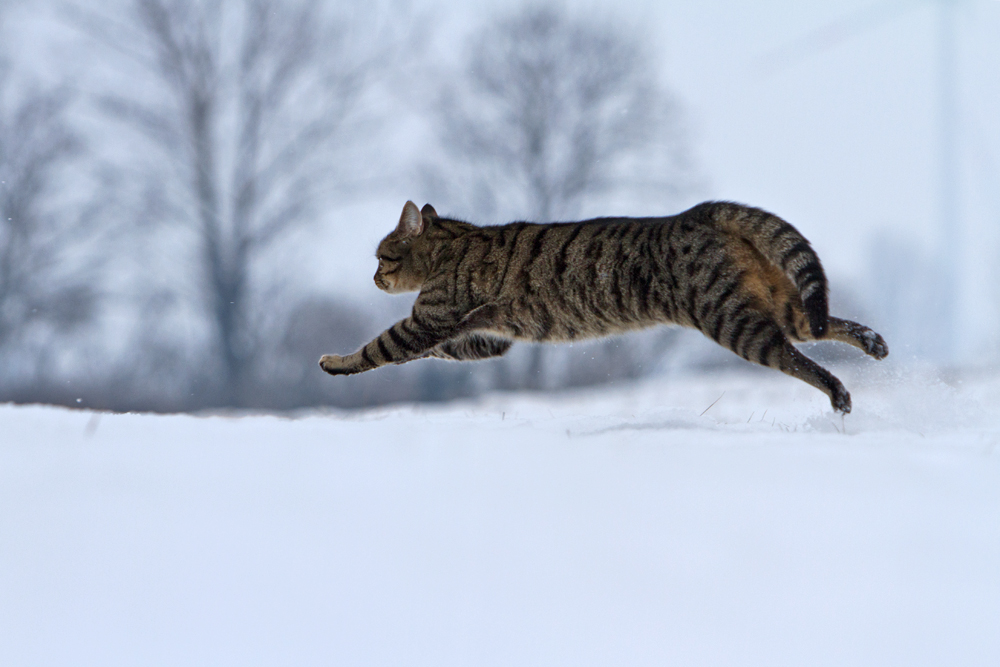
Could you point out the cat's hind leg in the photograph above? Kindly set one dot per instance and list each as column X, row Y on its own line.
column 792, row 362
column 858, row 335
column 758, row 338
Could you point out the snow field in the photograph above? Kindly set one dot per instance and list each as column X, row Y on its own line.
column 615, row 526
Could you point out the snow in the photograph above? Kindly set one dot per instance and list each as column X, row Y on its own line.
column 615, row 526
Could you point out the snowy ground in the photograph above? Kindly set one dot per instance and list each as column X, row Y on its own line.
column 618, row 527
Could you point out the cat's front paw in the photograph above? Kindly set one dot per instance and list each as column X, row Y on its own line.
column 333, row 364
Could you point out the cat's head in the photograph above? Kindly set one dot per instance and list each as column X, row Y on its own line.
column 402, row 267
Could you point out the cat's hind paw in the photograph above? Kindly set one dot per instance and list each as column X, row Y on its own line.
column 875, row 345
column 841, row 399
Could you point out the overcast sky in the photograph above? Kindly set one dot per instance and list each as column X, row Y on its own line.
column 824, row 113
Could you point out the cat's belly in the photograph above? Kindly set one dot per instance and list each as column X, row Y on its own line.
column 574, row 317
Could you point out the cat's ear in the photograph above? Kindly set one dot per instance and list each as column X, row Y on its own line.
column 411, row 223
column 429, row 211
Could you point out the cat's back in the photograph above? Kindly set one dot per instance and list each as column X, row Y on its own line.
column 526, row 258
column 569, row 280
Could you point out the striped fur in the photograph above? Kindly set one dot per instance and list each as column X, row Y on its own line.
column 743, row 277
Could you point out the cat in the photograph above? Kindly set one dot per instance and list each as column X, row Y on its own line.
column 743, row 277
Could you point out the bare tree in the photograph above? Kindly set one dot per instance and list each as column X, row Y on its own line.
column 251, row 103
column 552, row 117
column 552, row 112
column 46, row 286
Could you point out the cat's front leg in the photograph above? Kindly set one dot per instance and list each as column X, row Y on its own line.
column 471, row 347
column 404, row 341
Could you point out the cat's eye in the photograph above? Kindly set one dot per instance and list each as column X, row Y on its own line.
column 389, row 259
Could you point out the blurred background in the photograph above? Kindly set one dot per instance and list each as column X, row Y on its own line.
column 191, row 191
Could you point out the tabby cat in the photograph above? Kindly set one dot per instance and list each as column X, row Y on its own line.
column 743, row 277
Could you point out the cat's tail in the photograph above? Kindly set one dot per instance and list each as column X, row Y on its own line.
column 786, row 249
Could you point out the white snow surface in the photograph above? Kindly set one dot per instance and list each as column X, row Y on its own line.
column 617, row 526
